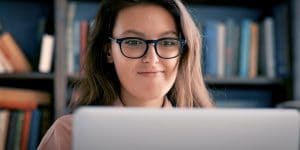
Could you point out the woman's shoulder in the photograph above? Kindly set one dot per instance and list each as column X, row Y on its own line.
column 64, row 121
column 59, row 134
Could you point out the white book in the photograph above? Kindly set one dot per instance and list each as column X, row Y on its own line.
column 2, row 69
column 5, row 65
column 69, row 37
column 46, row 53
column 221, row 34
column 4, row 122
column 269, row 47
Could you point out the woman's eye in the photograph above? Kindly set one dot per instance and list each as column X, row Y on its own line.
column 168, row 43
column 133, row 42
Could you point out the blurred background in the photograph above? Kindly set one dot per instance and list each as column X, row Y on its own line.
column 250, row 58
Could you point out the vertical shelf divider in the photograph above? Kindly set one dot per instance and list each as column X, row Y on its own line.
column 60, row 80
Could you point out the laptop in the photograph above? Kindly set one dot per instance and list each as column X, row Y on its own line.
column 106, row 128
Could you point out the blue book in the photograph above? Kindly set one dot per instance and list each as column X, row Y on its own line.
column 76, row 46
column 210, row 51
column 282, row 41
column 34, row 130
column 245, row 48
column 10, row 142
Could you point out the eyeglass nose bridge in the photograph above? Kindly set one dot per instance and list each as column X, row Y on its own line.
column 154, row 43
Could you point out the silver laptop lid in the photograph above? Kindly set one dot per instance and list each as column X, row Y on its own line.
column 185, row 129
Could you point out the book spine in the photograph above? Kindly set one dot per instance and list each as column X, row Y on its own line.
column 17, row 57
column 221, row 34
column 84, row 30
column 34, row 130
column 76, row 46
column 5, row 62
column 69, row 37
column 25, row 130
column 211, row 50
column 244, row 49
column 4, row 124
column 11, row 130
column 46, row 53
column 253, row 61
column 269, row 47
column 19, row 125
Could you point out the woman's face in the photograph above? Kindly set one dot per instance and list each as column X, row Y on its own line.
column 149, row 77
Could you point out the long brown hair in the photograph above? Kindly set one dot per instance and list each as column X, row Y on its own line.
column 101, row 86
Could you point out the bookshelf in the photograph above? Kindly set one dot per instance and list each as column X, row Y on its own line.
column 59, row 81
column 276, row 88
column 26, row 22
column 229, row 91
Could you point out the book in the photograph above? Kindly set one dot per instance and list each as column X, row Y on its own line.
column 18, row 133
column 18, row 95
column 4, row 122
column 244, row 49
column 10, row 142
column 268, row 48
column 221, row 34
column 84, row 31
column 282, row 34
column 46, row 55
column 34, row 132
column 69, row 37
column 229, row 50
column 76, row 47
column 232, row 48
column 45, row 122
column 2, row 69
column 8, row 68
column 14, row 104
column 14, row 53
column 254, row 41
column 210, row 51
column 25, row 130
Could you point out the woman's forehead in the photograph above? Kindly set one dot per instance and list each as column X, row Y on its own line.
column 144, row 19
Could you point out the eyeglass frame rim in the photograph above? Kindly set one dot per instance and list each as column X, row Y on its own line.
column 120, row 40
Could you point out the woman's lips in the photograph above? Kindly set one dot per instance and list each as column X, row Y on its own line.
column 149, row 73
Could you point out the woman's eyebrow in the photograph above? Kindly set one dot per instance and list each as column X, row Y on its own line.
column 168, row 33
column 140, row 34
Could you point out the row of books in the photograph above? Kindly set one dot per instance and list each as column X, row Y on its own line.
column 80, row 17
column 24, row 117
column 13, row 59
column 244, row 49
column 231, row 48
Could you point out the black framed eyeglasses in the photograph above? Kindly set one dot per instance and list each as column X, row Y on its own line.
column 134, row 48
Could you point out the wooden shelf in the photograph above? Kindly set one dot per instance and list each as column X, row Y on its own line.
column 34, row 80
column 34, row 1
column 27, row 76
column 30, row 76
column 242, row 81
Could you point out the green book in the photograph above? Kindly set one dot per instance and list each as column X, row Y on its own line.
column 18, row 133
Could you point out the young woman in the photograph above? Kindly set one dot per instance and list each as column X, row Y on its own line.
column 142, row 53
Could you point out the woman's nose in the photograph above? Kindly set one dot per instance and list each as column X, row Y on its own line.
column 151, row 55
